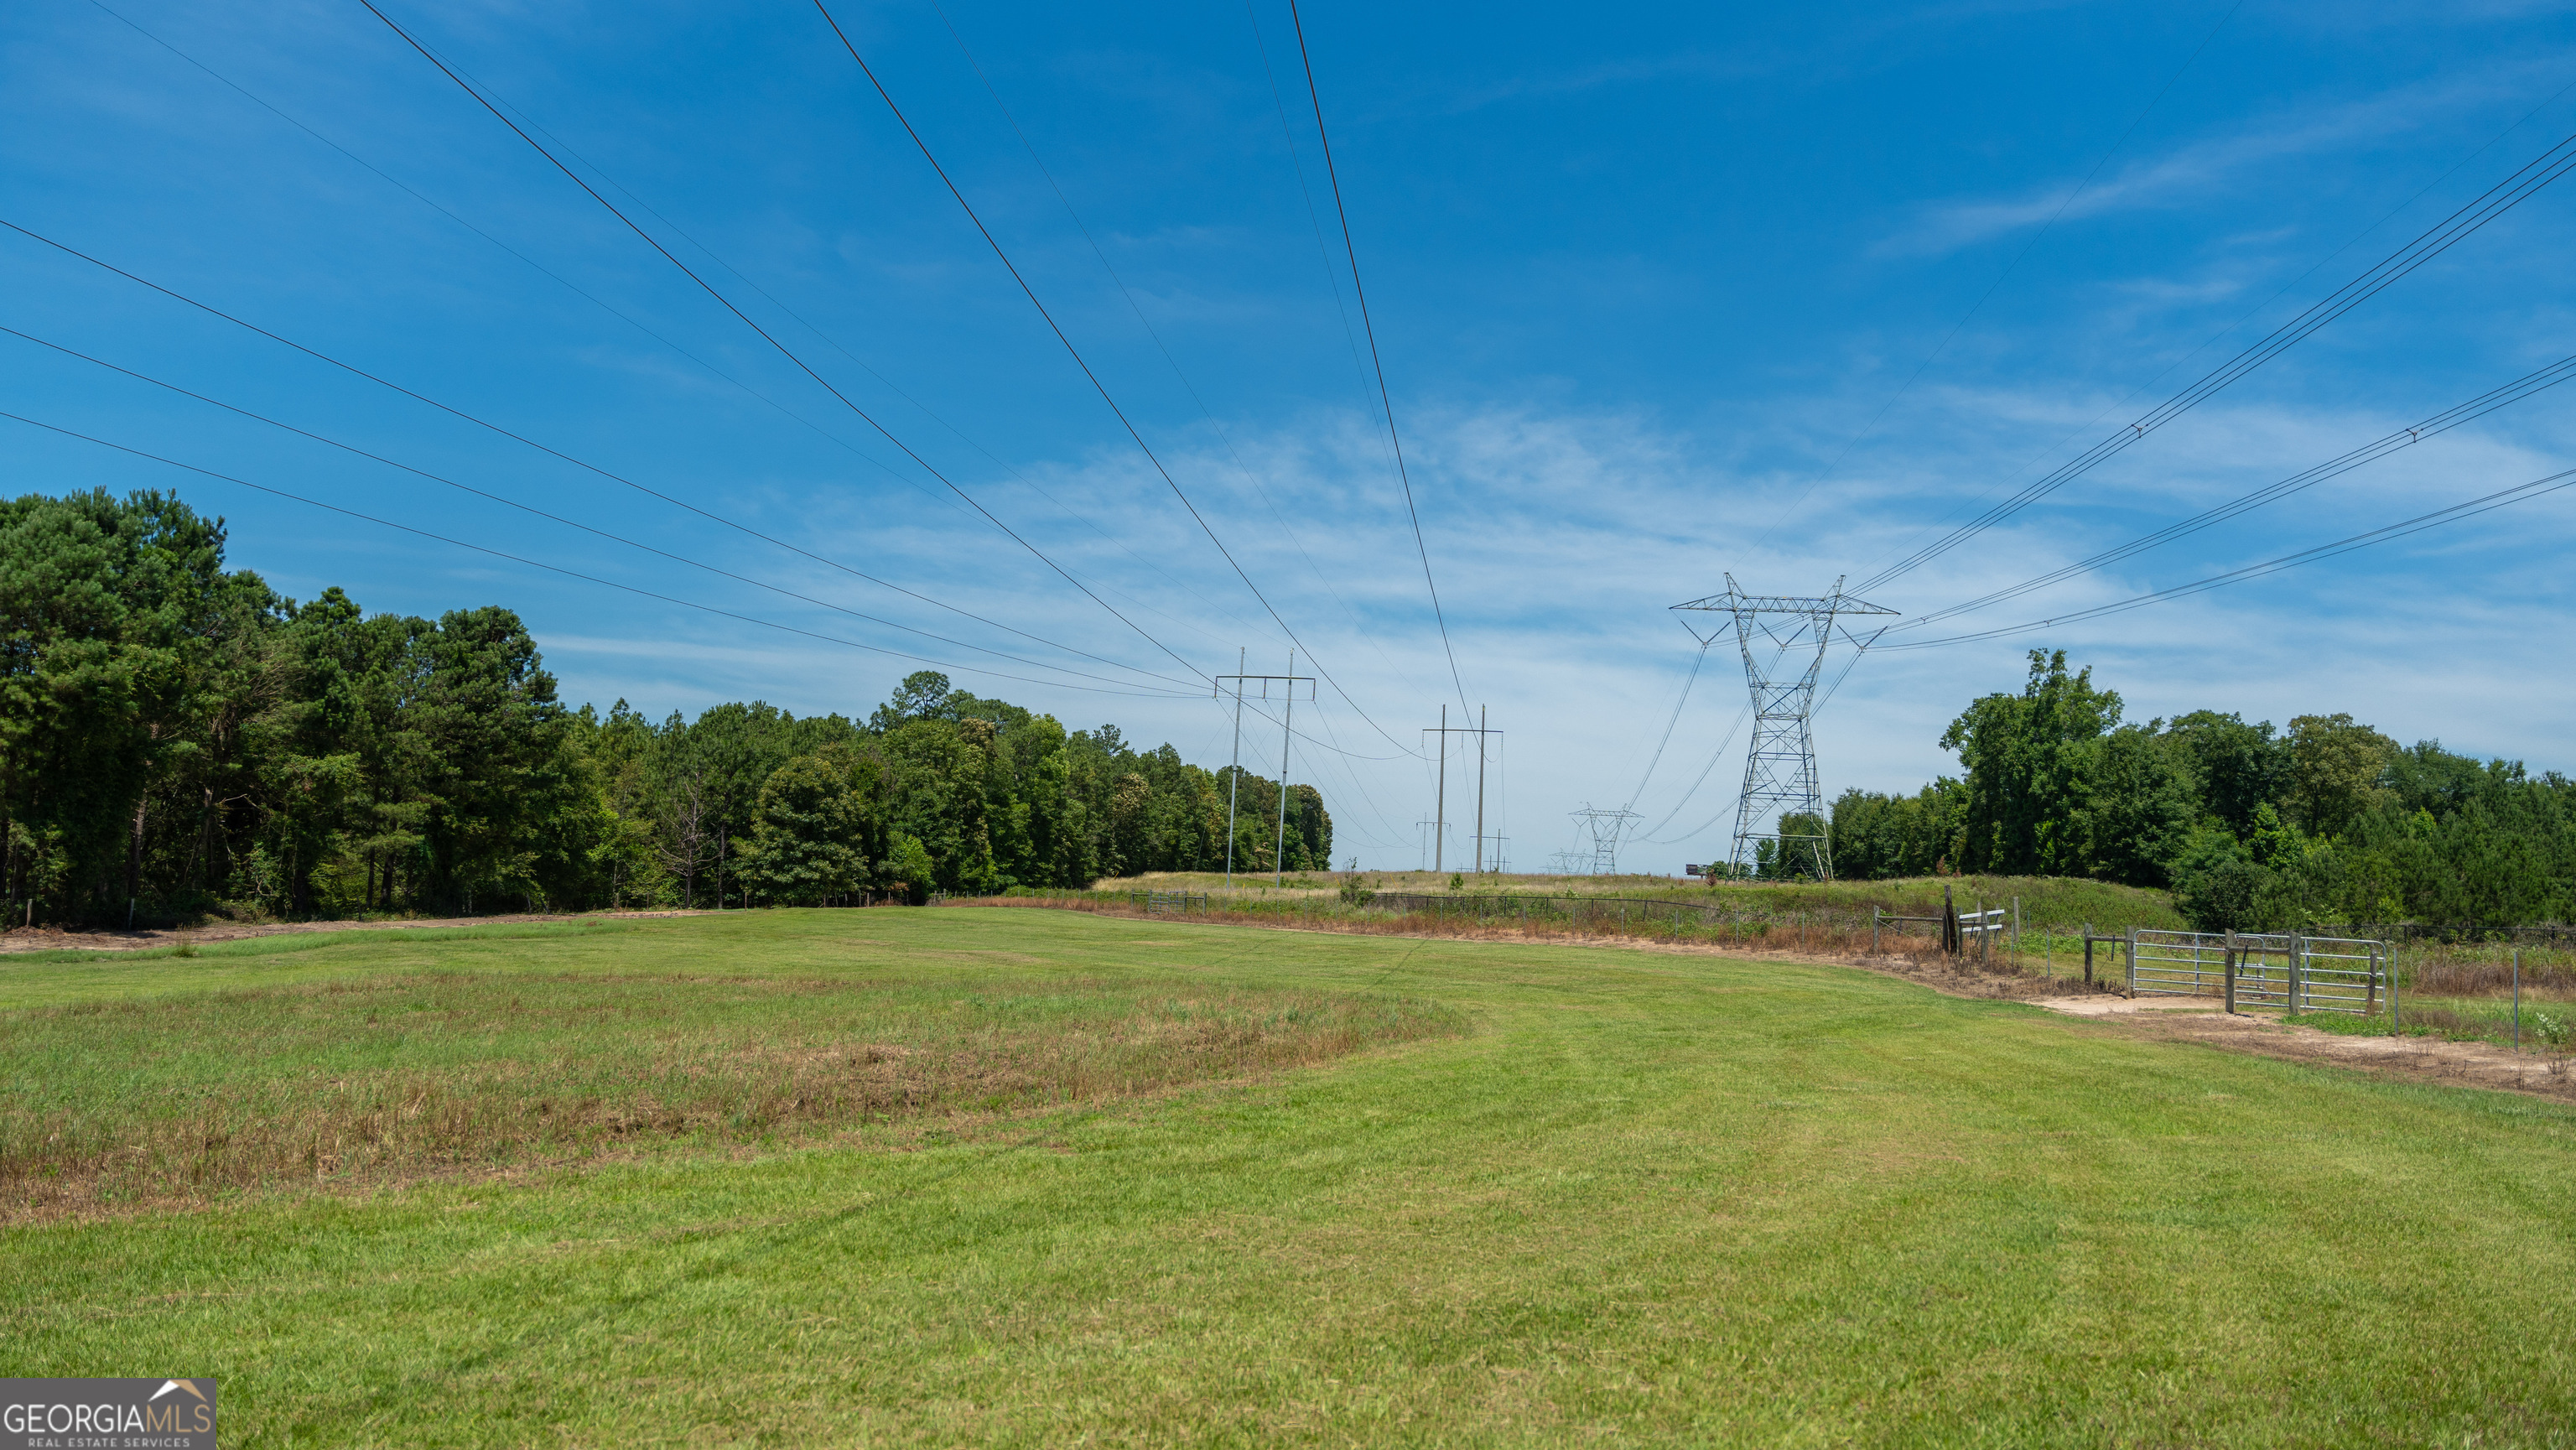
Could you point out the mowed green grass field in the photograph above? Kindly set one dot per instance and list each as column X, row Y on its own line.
column 1403, row 1191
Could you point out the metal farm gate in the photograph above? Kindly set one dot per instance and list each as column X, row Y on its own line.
column 2273, row 970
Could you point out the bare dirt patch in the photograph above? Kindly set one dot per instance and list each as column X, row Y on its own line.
column 1961, row 978
column 2423, row 1059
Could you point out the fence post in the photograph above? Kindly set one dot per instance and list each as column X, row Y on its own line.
column 2133, row 963
column 2088, row 954
column 2298, row 967
column 2517, row 956
column 2229, row 968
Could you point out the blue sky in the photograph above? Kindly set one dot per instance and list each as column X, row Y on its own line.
column 1662, row 293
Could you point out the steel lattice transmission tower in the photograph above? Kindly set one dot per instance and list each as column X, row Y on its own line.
column 1780, row 764
column 1603, row 828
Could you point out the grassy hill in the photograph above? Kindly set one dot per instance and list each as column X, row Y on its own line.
column 2067, row 901
column 1344, row 1189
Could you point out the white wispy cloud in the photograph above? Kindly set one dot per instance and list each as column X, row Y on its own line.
column 2196, row 171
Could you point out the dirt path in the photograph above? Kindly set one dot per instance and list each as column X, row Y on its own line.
column 48, row 939
column 2431, row 1059
column 2434, row 1059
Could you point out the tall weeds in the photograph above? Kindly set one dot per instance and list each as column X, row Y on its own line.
column 1788, row 937
column 2472, row 971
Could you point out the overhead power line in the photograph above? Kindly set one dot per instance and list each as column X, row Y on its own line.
column 559, row 279
column 2519, row 493
column 2258, row 310
column 1153, row 333
column 1779, row 653
column 836, row 345
column 765, row 335
column 1996, row 285
column 1359, row 292
column 2478, row 407
column 1679, row 700
column 1083, row 363
column 535, row 512
column 2494, row 202
column 461, row 415
column 1314, row 218
column 567, row 573
column 1334, row 750
column 1648, row 835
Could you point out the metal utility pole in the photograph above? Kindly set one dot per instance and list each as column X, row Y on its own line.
column 1234, row 773
column 1780, row 765
column 1279, row 844
column 1480, row 790
column 1287, row 695
column 1444, row 732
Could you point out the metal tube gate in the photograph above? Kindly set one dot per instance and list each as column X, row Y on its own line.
column 2271, row 970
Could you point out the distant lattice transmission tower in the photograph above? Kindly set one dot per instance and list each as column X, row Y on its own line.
column 1780, row 764
column 1602, row 830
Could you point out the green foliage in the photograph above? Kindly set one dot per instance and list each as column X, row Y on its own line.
column 2327, row 823
column 2221, row 885
column 2030, row 759
column 1881, row 837
column 1793, row 857
column 2237, row 767
column 177, row 740
column 908, row 865
column 2335, row 768
column 817, row 831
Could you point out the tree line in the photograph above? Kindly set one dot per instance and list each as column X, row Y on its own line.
column 2324, row 822
column 179, row 740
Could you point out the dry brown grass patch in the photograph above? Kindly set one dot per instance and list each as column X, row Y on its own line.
column 358, row 1084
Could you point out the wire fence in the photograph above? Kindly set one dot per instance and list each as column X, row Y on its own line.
column 2349, row 976
column 1995, row 940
